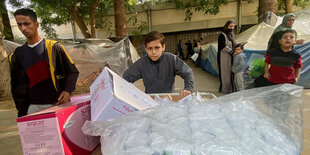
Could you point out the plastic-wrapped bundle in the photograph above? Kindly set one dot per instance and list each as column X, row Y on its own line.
column 264, row 120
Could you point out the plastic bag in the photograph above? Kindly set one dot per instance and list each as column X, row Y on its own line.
column 265, row 120
column 195, row 56
column 257, row 68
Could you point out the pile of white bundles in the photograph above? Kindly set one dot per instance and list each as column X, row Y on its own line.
column 265, row 120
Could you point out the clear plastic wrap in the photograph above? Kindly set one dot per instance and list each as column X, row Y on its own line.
column 90, row 55
column 264, row 120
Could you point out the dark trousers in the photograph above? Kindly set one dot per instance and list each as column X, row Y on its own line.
column 262, row 82
column 189, row 53
column 181, row 54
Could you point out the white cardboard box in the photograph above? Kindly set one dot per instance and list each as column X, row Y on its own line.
column 112, row 96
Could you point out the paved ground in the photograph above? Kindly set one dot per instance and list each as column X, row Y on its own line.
column 204, row 82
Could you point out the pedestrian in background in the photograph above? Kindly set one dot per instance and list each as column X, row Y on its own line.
column 180, row 49
column 226, row 42
column 189, row 48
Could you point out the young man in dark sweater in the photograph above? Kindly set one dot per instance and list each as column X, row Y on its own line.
column 42, row 73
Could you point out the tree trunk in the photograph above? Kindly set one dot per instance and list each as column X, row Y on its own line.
column 288, row 6
column 5, row 89
column 78, row 19
column 120, row 19
column 92, row 18
column 266, row 5
column 121, row 27
column 6, row 27
column 80, row 23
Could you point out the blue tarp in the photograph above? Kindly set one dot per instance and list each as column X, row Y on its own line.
column 208, row 60
column 206, row 66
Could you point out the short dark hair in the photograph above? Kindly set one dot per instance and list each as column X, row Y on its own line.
column 26, row 12
column 239, row 45
column 289, row 31
column 154, row 35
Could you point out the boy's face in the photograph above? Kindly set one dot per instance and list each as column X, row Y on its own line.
column 154, row 49
column 27, row 26
column 238, row 50
column 287, row 40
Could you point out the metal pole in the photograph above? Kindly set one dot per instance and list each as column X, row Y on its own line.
column 239, row 15
column 149, row 19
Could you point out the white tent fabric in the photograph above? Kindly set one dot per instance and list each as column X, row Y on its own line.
column 258, row 35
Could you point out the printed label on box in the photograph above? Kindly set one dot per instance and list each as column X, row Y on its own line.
column 40, row 136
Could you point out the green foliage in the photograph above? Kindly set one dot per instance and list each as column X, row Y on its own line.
column 299, row 3
column 101, row 21
column 51, row 14
column 16, row 3
column 56, row 12
column 141, row 26
column 207, row 6
column 7, row 33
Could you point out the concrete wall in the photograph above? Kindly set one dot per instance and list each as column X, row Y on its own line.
column 168, row 19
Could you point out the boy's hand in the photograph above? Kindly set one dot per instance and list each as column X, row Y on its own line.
column 300, row 41
column 64, row 97
column 185, row 92
column 267, row 75
column 296, row 80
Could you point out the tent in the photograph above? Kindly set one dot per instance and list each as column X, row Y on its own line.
column 257, row 38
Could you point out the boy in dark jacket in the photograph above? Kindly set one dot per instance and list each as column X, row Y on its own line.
column 158, row 69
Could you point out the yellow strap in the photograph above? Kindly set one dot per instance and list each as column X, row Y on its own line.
column 49, row 45
column 10, row 58
column 67, row 54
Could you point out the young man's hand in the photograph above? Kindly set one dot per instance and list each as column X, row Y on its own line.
column 185, row 92
column 64, row 97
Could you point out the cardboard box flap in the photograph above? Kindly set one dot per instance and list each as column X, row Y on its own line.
column 101, row 92
column 131, row 94
column 109, row 87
